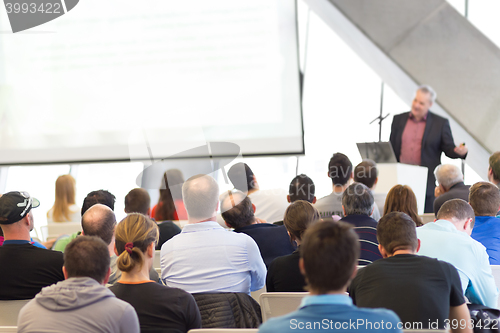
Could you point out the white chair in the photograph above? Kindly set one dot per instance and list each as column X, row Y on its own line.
column 427, row 217
column 8, row 329
column 55, row 229
column 224, row 330
column 156, row 261
column 9, row 310
column 279, row 304
column 256, row 294
column 496, row 275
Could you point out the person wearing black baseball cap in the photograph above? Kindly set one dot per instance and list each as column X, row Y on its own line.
column 26, row 269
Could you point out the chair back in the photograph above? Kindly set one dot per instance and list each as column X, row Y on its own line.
column 9, row 311
column 279, row 304
column 427, row 217
column 156, row 261
column 8, row 329
column 495, row 269
column 55, row 229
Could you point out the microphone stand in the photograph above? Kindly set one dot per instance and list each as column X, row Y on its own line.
column 380, row 118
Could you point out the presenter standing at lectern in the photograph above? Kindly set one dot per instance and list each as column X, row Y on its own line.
column 419, row 137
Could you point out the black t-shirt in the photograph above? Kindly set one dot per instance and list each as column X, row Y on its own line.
column 419, row 289
column 284, row 274
column 167, row 229
column 26, row 269
column 160, row 308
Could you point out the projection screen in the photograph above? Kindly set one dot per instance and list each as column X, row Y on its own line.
column 121, row 79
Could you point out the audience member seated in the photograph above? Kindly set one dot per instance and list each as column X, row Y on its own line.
column 329, row 254
column 340, row 172
column 64, row 209
column 366, row 173
column 448, row 239
column 238, row 213
column 159, row 308
column 284, row 273
column 451, row 185
column 138, row 201
column 26, row 269
column 170, row 205
column 81, row 303
column 485, row 200
column 494, row 168
column 301, row 188
column 94, row 197
column 421, row 290
column 205, row 257
column 270, row 205
column 402, row 199
column 357, row 206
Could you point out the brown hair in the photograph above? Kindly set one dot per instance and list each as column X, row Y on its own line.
column 137, row 201
column 494, row 162
column 65, row 196
column 458, row 209
column 397, row 231
column 484, row 198
column 366, row 173
column 87, row 256
column 299, row 215
column 402, row 199
column 139, row 230
column 166, row 208
column 330, row 251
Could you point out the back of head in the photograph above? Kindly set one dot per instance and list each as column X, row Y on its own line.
column 299, row 216
column 456, row 210
column 237, row 210
column 339, row 169
column 396, row 231
column 330, row 251
column 201, row 195
column 133, row 236
column 241, row 176
column 484, row 198
column 137, row 201
column 100, row 221
column 98, row 197
column 402, row 199
column 170, row 190
column 448, row 175
column 357, row 199
column 87, row 257
column 301, row 188
column 366, row 173
column 494, row 162
column 65, row 196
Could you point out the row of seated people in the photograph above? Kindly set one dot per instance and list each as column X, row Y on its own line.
column 200, row 248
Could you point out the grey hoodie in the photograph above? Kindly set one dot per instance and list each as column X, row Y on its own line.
column 77, row 305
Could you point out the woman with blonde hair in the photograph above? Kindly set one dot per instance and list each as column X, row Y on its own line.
column 402, row 199
column 284, row 274
column 64, row 209
column 160, row 308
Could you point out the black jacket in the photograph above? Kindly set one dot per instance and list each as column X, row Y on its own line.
column 437, row 139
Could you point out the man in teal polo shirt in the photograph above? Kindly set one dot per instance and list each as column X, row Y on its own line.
column 329, row 255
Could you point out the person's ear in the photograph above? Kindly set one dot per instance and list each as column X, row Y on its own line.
column 227, row 225
column 65, row 273
column 314, row 200
column 106, row 278
column 288, row 199
column 301, row 267
column 373, row 208
column 116, row 251
column 418, row 245
column 151, row 250
column 354, row 272
column 382, row 251
column 376, row 181
column 253, row 208
column 343, row 210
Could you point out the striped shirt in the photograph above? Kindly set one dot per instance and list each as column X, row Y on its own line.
column 366, row 228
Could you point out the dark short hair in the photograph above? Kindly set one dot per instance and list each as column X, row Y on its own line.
column 104, row 228
column 495, row 165
column 137, row 201
column 299, row 215
column 366, row 173
column 340, row 169
column 330, row 251
column 357, row 199
column 397, row 231
column 458, row 209
column 99, row 196
column 237, row 210
column 241, row 176
column 87, row 256
column 301, row 188
column 484, row 198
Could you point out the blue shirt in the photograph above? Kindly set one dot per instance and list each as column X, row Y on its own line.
column 487, row 232
column 442, row 240
column 333, row 313
column 205, row 257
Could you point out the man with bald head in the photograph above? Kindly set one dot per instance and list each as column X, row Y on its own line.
column 205, row 257
column 99, row 220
